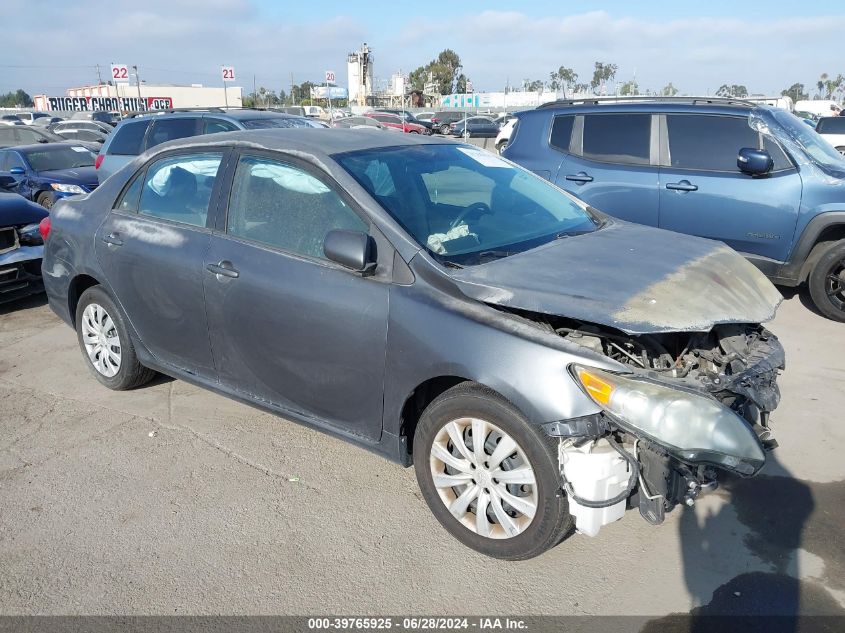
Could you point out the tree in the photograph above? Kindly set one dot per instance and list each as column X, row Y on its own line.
column 16, row 99
column 602, row 75
column 668, row 90
column 821, row 84
column 629, row 88
column 562, row 79
column 532, row 86
column 461, row 84
column 441, row 71
column 734, row 90
column 795, row 92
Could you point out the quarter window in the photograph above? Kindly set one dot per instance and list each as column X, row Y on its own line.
column 284, row 207
column 131, row 197
column 617, row 138
column 179, row 188
column 712, row 143
column 561, row 132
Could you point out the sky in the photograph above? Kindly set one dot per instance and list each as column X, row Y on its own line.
column 697, row 46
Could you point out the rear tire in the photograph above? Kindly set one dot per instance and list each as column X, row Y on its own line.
column 827, row 282
column 500, row 147
column 445, row 129
column 105, row 343
column 526, row 514
column 841, row 149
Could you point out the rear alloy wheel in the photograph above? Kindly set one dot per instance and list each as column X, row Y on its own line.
column 105, row 342
column 827, row 282
column 445, row 129
column 490, row 477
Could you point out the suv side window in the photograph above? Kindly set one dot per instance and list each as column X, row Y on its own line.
column 213, row 126
column 178, row 188
column 561, row 132
column 284, row 207
column 617, row 138
column 712, row 142
column 129, row 138
column 168, row 129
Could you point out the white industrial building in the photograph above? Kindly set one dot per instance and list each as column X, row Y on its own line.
column 124, row 97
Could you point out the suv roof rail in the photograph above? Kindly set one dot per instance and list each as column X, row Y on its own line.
column 137, row 113
column 560, row 103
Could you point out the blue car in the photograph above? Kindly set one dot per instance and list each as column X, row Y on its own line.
column 47, row 172
column 21, row 247
column 754, row 177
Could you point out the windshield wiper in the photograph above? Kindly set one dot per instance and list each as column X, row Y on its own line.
column 494, row 254
column 450, row 264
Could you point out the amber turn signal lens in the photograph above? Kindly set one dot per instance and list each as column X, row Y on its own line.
column 598, row 389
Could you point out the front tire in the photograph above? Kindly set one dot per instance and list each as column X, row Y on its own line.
column 501, row 147
column 512, row 474
column 46, row 200
column 827, row 282
column 105, row 343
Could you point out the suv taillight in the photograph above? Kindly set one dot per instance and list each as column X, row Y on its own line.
column 44, row 228
column 98, row 161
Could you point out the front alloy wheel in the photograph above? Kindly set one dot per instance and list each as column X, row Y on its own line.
column 489, row 476
column 484, row 478
column 827, row 282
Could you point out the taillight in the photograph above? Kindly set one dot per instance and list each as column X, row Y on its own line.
column 98, row 161
column 434, row 119
column 44, row 228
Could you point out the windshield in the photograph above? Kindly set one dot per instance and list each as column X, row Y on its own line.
column 65, row 157
column 268, row 122
column 819, row 150
column 465, row 205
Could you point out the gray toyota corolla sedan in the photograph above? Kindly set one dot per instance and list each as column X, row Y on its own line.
column 541, row 364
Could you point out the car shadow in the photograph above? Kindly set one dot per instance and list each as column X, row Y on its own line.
column 757, row 558
column 803, row 296
column 25, row 303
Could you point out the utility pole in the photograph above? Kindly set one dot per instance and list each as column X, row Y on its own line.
column 254, row 93
column 292, row 94
column 99, row 78
column 138, row 84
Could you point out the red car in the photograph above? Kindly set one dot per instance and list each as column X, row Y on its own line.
column 395, row 121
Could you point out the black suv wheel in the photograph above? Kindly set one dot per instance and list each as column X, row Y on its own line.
column 827, row 282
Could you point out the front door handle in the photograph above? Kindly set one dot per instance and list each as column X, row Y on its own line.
column 684, row 185
column 581, row 177
column 224, row 269
column 113, row 239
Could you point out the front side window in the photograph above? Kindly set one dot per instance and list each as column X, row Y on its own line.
column 711, row 143
column 284, row 207
column 831, row 125
column 464, row 205
column 617, row 138
column 178, row 188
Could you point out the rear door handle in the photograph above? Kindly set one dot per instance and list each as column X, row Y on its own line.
column 113, row 239
column 224, row 269
column 684, row 185
column 580, row 177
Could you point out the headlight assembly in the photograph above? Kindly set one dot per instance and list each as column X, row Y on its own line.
column 691, row 427
column 58, row 186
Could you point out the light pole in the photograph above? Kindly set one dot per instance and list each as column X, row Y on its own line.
column 138, row 83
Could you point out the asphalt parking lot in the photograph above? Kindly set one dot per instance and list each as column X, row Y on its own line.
column 169, row 499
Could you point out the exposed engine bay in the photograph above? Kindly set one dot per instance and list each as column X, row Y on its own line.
column 605, row 464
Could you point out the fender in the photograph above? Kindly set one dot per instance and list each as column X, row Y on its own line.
column 798, row 267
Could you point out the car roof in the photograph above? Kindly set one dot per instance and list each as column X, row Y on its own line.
column 42, row 146
column 702, row 105
column 313, row 141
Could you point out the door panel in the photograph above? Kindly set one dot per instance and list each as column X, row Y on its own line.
column 151, row 248
column 288, row 326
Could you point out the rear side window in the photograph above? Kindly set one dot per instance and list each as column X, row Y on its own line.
column 179, row 188
column 561, row 132
column 831, row 125
column 128, row 139
column 168, row 129
column 617, row 138
column 711, row 143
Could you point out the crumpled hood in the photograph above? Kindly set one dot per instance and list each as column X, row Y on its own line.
column 15, row 210
column 634, row 278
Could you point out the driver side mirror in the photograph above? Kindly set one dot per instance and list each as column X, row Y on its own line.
column 352, row 249
column 17, row 171
column 754, row 162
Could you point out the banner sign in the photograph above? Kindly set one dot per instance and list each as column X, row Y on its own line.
column 108, row 103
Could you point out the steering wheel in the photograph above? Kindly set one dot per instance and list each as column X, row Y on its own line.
column 476, row 207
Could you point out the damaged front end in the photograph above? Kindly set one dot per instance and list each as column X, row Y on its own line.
column 689, row 404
